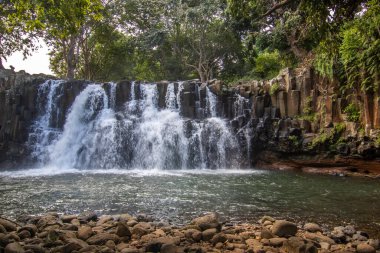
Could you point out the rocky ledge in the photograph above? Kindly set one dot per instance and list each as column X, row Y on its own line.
column 123, row 233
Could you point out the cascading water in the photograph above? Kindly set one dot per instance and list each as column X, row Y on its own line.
column 139, row 135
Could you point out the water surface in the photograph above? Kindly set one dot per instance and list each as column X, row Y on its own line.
column 179, row 195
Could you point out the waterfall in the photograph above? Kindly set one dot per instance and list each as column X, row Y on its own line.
column 138, row 135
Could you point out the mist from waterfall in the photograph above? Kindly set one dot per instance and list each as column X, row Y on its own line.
column 139, row 135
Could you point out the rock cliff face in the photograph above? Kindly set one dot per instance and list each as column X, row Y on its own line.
column 297, row 120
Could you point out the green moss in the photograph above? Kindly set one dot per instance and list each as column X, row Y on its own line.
column 353, row 113
column 377, row 142
column 274, row 88
column 308, row 113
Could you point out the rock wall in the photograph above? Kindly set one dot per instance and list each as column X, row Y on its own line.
column 298, row 119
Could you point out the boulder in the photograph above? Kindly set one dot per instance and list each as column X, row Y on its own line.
column 319, row 238
column 101, row 239
column 208, row 234
column 9, row 226
column 266, row 234
column 87, row 216
column 14, row 247
column 156, row 244
column 140, row 229
column 122, row 229
column 312, row 227
column 85, row 232
column 276, row 242
column 31, row 228
column 365, row 248
column 220, row 237
column 284, row 228
column 208, row 221
column 298, row 245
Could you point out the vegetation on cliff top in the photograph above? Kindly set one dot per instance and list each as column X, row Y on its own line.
column 166, row 39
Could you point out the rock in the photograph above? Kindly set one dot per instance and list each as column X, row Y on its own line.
column 267, row 218
column 312, row 227
column 101, row 239
column 34, row 248
column 358, row 237
column 266, row 234
column 298, row 245
column 9, row 226
column 277, row 242
column 169, row 248
column 31, row 228
column 374, row 243
column 220, row 237
column 2, row 229
column 208, row 234
column 68, row 218
column 365, row 248
column 130, row 250
column 14, row 247
column 85, row 232
column 87, row 216
column 122, row 229
column 208, row 221
column 284, row 228
column 23, row 234
column 111, row 244
column 319, row 238
column 156, row 244
column 338, row 235
column 140, row 229
column 104, row 219
column 254, row 244
column 132, row 223
column 349, row 230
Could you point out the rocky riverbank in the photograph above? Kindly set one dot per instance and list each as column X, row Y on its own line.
column 123, row 233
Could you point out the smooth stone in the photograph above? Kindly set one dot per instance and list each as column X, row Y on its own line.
column 220, row 237
column 34, row 248
column 122, row 229
column 319, row 238
column 2, row 229
column 266, row 234
column 365, row 248
column 284, row 228
column 23, row 234
column 277, row 242
column 140, row 229
column 312, row 227
column 101, row 239
column 208, row 221
column 68, row 218
column 85, row 232
column 208, row 234
column 14, row 247
column 31, row 228
column 9, row 226
column 88, row 216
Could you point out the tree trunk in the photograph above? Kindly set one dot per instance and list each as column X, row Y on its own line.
column 71, row 60
column 1, row 63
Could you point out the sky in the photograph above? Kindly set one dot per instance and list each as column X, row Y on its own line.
column 37, row 63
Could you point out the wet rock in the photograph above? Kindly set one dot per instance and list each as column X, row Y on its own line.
column 374, row 243
column 267, row 218
column 87, row 216
column 68, row 218
column 31, row 228
column 34, row 248
column 359, row 237
column 101, row 239
column 284, row 228
column 140, row 229
column 169, row 248
column 104, row 219
column 276, row 242
column 9, row 226
column 85, row 232
column 111, row 244
column 14, row 247
column 122, row 229
column 312, row 227
column 208, row 221
column 349, row 230
column 319, row 238
column 298, row 245
column 365, row 248
column 2, row 229
column 254, row 244
column 24, row 234
column 220, row 237
column 266, row 234
column 193, row 234
column 156, row 244
column 208, row 234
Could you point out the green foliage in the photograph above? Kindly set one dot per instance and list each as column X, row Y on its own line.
column 274, row 88
column 267, row 65
column 353, row 113
column 294, row 140
column 308, row 112
column 377, row 142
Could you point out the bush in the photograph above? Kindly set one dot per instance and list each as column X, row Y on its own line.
column 353, row 113
column 267, row 65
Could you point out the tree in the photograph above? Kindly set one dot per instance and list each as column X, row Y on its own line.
column 18, row 29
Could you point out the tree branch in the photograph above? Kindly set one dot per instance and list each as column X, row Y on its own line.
column 276, row 7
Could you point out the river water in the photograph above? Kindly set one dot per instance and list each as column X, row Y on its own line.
column 179, row 195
